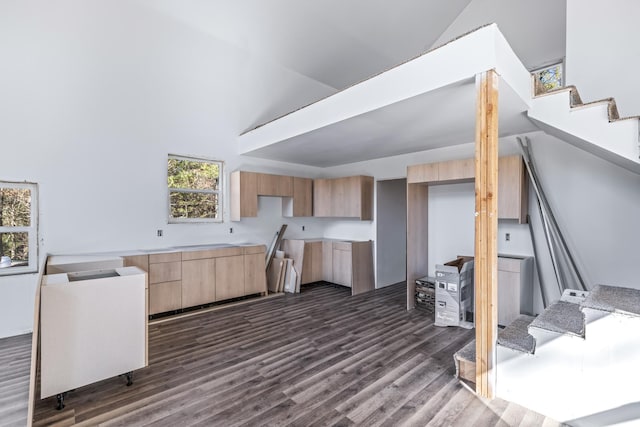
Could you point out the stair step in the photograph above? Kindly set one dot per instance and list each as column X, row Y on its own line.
column 465, row 361
column 614, row 299
column 561, row 317
column 516, row 336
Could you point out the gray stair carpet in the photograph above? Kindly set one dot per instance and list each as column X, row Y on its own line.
column 614, row 299
column 561, row 317
column 516, row 336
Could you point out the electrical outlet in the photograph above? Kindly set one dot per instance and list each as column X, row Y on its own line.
column 507, row 236
column 303, row 228
column 230, row 230
column 159, row 233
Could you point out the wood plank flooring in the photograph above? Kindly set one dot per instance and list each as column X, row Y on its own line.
column 320, row 357
column 15, row 359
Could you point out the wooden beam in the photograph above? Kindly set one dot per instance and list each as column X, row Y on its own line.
column 486, row 227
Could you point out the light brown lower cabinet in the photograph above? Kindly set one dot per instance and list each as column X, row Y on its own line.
column 188, row 279
column 346, row 263
column 198, row 282
column 229, row 277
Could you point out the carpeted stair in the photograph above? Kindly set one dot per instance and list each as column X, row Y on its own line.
column 561, row 317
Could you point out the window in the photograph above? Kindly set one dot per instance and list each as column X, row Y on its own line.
column 194, row 189
column 18, row 227
column 549, row 78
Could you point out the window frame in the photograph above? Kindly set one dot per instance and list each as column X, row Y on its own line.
column 31, row 230
column 219, row 192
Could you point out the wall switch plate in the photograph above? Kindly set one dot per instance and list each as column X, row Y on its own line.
column 507, row 236
column 159, row 233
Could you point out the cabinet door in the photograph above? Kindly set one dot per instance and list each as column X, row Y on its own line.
column 255, row 279
column 198, row 282
column 166, row 296
column 418, row 174
column 322, row 197
column 339, row 200
column 512, row 189
column 229, row 277
column 327, row 261
column 302, row 196
column 316, row 263
column 508, row 297
column 456, row 170
column 275, row 185
column 342, row 267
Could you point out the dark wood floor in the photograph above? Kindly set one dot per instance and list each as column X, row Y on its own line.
column 320, row 357
column 15, row 362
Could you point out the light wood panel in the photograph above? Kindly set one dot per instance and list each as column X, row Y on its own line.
column 417, row 174
column 254, row 249
column 229, row 277
column 343, row 361
column 366, row 198
column 165, row 257
column 327, row 261
column 165, row 271
column 302, row 197
column 363, row 279
column 140, row 261
column 212, row 253
column 342, row 267
column 315, row 252
column 513, row 189
column 322, row 197
column 244, row 195
column 486, row 229
column 417, row 237
column 198, row 282
column 166, row 296
column 456, row 170
column 255, row 279
column 275, row 185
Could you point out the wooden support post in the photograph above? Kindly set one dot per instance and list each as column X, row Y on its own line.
column 486, row 228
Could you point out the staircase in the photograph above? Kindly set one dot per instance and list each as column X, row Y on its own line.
column 576, row 363
column 594, row 126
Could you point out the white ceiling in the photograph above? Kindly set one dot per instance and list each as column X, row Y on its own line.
column 333, row 44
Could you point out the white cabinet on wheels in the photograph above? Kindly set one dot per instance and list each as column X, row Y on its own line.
column 93, row 327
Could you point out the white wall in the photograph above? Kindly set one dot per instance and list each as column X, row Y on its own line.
column 391, row 233
column 94, row 97
column 603, row 53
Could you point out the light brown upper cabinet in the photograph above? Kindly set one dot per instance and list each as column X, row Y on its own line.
column 275, row 185
column 348, row 197
column 244, row 194
column 512, row 181
column 245, row 187
column 513, row 189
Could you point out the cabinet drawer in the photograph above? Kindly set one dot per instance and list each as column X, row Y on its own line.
column 166, row 257
column 509, row 264
column 211, row 253
column 165, row 272
column 342, row 246
column 258, row 249
column 165, row 296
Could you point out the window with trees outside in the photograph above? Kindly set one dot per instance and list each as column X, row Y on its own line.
column 18, row 227
column 194, row 189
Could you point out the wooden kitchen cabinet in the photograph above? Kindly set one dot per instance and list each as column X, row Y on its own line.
column 346, row 263
column 513, row 189
column 427, row 172
column 244, row 194
column 515, row 288
column 229, row 277
column 255, row 280
column 165, row 282
column 456, row 170
column 198, row 282
column 302, row 200
column 274, row 185
column 347, row 197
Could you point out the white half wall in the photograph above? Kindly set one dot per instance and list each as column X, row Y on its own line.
column 391, row 236
column 603, row 53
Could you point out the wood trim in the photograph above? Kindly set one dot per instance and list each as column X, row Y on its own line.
column 486, row 228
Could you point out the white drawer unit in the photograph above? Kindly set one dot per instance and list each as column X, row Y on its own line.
column 93, row 327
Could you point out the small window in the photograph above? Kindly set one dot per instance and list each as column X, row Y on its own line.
column 549, row 78
column 18, row 228
column 194, row 189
